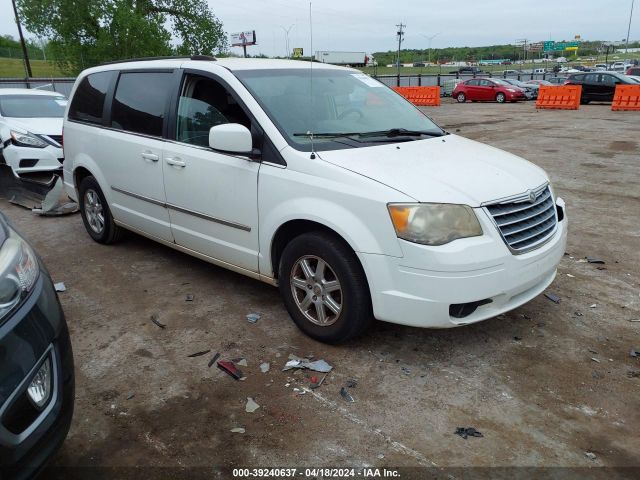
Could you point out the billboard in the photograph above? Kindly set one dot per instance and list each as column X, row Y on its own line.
column 298, row 52
column 243, row 38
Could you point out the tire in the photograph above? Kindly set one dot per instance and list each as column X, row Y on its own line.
column 461, row 97
column 500, row 97
column 342, row 293
column 95, row 212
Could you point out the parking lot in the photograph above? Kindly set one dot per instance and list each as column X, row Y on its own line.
column 545, row 384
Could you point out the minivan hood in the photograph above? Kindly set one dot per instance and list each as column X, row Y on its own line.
column 41, row 126
column 449, row 169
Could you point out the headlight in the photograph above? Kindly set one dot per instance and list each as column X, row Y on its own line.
column 434, row 223
column 25, row 139
column 512, row 90
column 18, row 272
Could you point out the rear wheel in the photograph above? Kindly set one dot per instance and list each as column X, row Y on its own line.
column 324, row 287
column 461, row 97
column 500, row 97
column 95, row 212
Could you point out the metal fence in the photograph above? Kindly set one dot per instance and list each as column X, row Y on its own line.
column 60, row 85
column 446, row 81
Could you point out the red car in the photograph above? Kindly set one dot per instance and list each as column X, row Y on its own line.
column 487, row 90
column 633, row 71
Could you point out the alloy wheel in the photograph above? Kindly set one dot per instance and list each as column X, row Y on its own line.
column 93, row 211
column 316, row 290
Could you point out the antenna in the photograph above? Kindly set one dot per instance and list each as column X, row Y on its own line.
column 313, row 151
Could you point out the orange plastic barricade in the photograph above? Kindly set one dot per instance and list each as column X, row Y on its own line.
column 627, row 97
column 561, row 97
column 421, row 96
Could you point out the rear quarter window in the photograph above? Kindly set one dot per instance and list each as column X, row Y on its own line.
column 140, row 102
column 87, row 104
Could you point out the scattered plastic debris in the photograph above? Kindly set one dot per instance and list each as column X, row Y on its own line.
column 316, row 366
column 199, row 354
column 314, row 382
column 188, row 297
column 264, row 367
column 595, row 359
column 593, row 350
column 346, row 395
column 352, row 383
column 465, row 432
column 240, row 361
column 253, row 317
column 251, row 405
column 131, row 396
column 601, row 268
column 230, row 368
column 634, row 352
column 237, row 430
column 213, row 359
column 593, row 305
column 590, row 455
column 406, row 370
column 634, row 319
column 554, row 298
column 299, row 391
column 577, row 314
column 154, row 319
column 595, row 260
column 60, row 287
column 633, row 374
column 570, row 276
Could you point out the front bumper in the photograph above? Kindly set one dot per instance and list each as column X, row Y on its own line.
column 33, row 160
column 28, row 438
column 419, row 288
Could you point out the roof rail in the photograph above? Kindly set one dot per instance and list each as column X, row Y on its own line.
column 170, row 57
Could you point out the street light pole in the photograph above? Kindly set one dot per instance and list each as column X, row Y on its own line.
column 286, row 38
column 400, row 39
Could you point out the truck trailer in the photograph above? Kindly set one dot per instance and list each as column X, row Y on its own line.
column 354, row 59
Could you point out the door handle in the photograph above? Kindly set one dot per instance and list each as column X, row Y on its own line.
column 150, row 156
column 176, row 162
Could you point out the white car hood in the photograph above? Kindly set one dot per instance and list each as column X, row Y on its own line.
column 449, row 169
column 41, row 126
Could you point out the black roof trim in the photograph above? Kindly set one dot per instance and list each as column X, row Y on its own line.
column 171, row 57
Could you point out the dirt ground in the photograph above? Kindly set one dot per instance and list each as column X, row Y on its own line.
column 545, row 383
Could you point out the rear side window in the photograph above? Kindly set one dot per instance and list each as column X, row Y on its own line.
column 87, row 104
column 140, row 102
column 473, row 83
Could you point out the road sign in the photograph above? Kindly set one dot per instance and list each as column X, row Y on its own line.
column 551, row 46
column 298, row 52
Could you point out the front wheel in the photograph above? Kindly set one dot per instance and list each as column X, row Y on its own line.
column 461, row 98
column 500, row 97
column 324, row 287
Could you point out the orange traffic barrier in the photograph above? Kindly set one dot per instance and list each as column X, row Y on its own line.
column 561, row 97
column 627, row 97
column 421, row 96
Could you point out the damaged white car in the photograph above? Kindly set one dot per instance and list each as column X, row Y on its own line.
column 31, row 130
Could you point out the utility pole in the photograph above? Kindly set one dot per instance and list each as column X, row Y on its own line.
column 27, row 65
column 629, row 29
column 400, row 34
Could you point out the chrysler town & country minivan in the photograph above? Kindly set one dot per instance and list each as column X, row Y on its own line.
column 314, row 178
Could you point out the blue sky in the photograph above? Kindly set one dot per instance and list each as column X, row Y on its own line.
column 370, row 25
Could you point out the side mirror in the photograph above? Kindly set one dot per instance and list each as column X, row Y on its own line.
column 231, row 138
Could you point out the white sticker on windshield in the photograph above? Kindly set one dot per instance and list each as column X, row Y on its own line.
column 61, row 102
column 366, row 79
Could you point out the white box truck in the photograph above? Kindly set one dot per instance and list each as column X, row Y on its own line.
column 354, row 59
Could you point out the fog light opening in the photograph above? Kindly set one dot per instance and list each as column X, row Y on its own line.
column 461, row 310
column 39, row 389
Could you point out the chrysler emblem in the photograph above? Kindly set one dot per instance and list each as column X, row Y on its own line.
column 532, row 196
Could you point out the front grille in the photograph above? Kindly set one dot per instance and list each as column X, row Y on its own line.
column 56, row 138
column 523, row 224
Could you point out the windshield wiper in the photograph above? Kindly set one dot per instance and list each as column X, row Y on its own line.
column 327, row 134
column 400, row 132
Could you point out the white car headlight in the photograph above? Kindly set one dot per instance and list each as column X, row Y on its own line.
column 434, row 223
column 18, row 272
column 26, row 139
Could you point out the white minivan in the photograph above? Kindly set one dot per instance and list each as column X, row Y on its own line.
column 314, row 178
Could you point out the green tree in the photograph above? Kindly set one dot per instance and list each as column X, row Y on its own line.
column 83, row 33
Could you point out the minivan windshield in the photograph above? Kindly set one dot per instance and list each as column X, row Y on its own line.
column 346, row 108
column 32, row 106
